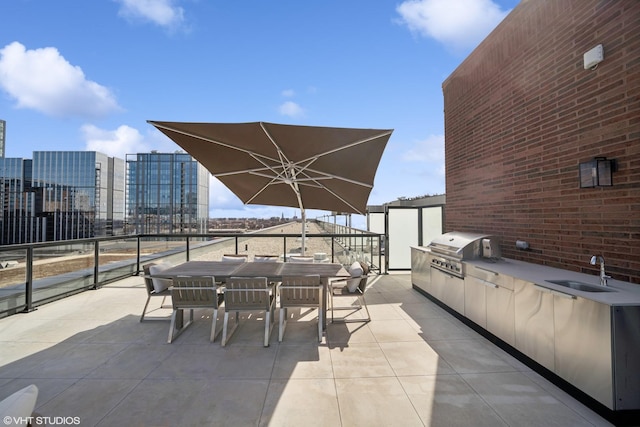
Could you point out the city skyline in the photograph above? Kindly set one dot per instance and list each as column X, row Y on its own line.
column 87, row 76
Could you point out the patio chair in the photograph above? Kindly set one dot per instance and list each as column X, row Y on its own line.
column 235, row 258
column 248, row 294
column 353, row 287
column 299, row 258
column 155, row 288
column 189, row 293
column 266, row 258
column 300, row 291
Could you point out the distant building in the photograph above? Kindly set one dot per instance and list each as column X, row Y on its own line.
column 166, row 193
column 3, row 136
column 61, row 195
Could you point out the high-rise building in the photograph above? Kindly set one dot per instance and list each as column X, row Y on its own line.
column 3, row 136
column 166, row 193
column 61, row 195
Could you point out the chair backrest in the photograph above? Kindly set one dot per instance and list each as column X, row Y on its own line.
column 266, row 258
column 297, row 258
column 194, row 291
column 235, row 258
column 320, row 256
column 301, row 290
column 147, row 279
column 365, row 273
column 247, row 293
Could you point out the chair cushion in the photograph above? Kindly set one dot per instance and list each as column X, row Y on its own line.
column 356, row 269
column 159, row 285
column 231, row 258
column 20, row 404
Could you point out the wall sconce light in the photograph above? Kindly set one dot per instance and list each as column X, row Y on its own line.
column 597, row 172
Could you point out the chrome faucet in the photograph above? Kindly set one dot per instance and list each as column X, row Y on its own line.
column 603, row 276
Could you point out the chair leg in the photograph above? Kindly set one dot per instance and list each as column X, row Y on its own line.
column 267, row 327
column 173, row 330
column 282, row 323
column 320, row 323
column 172, row 326
column 214, row 332
column 363, row 303
column 226, row 334
column 145, row 308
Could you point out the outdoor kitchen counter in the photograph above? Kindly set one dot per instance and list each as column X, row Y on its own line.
column 627, row 294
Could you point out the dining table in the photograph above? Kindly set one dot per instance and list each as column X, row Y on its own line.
column 222, row 271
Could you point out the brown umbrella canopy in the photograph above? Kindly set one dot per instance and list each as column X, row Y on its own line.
column 284, row 165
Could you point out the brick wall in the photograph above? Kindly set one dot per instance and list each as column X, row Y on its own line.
column 521, row 113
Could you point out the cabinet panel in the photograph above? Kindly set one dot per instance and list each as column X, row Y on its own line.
column 582, row 343
column 501, row 313
column 475, row 306
column 448, row 289
column 420, row 269
column 534, row 322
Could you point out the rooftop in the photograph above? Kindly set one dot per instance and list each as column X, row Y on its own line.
column 414, row 364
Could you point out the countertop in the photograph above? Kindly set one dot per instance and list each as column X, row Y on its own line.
column 627, row 294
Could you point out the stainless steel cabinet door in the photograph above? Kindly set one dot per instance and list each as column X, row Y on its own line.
column 534, row 322
column 583, row 346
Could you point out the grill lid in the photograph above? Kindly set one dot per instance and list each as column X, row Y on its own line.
column 459, row 244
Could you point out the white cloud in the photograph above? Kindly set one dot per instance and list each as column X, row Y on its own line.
column 43, row 80
column 430, row 149
column 115, row 143
column 291, row 109
column 288, row 93
column 458, row 24
column 160, row 12
column 125, row 140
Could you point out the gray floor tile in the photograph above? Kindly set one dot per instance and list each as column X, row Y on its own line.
column 448, row 401
column 301, row 402
column 470, row 356
column 414, row 358
column 360, row 360
column 375, row 402
column 521, row 402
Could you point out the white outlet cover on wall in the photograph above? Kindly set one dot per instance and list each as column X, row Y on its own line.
column 593, row 57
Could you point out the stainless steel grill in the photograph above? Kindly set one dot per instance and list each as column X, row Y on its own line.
column 450, row 249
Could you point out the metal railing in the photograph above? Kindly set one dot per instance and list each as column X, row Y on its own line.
column 38, row 273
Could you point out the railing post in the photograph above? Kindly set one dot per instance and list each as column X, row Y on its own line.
column 187, row 248
column 138, row 255
column 333, row 249
column 96, row 264
column 284, row 240
column 236, row 244
column 28, row 295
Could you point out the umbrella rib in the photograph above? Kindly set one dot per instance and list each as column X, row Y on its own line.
column 343, row 147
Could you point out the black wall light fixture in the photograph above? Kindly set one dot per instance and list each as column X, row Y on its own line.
column 597, row 172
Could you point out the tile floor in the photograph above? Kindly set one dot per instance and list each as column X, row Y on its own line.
column 412, row 365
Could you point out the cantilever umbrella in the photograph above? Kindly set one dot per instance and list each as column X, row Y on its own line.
column 308, row 167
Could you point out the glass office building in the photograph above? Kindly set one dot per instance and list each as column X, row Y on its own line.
column 166, row 193
column 61, row 195
column 3, row 135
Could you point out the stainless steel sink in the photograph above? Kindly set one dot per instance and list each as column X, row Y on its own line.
column 580, row 286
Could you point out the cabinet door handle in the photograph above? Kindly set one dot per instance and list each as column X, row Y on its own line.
column 542, row 289
column 487, row 270
column 563, row 295
column 489, row 284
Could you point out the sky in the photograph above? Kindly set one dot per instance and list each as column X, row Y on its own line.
column 87, row 75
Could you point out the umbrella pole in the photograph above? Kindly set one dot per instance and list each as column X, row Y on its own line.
column 304, row 230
